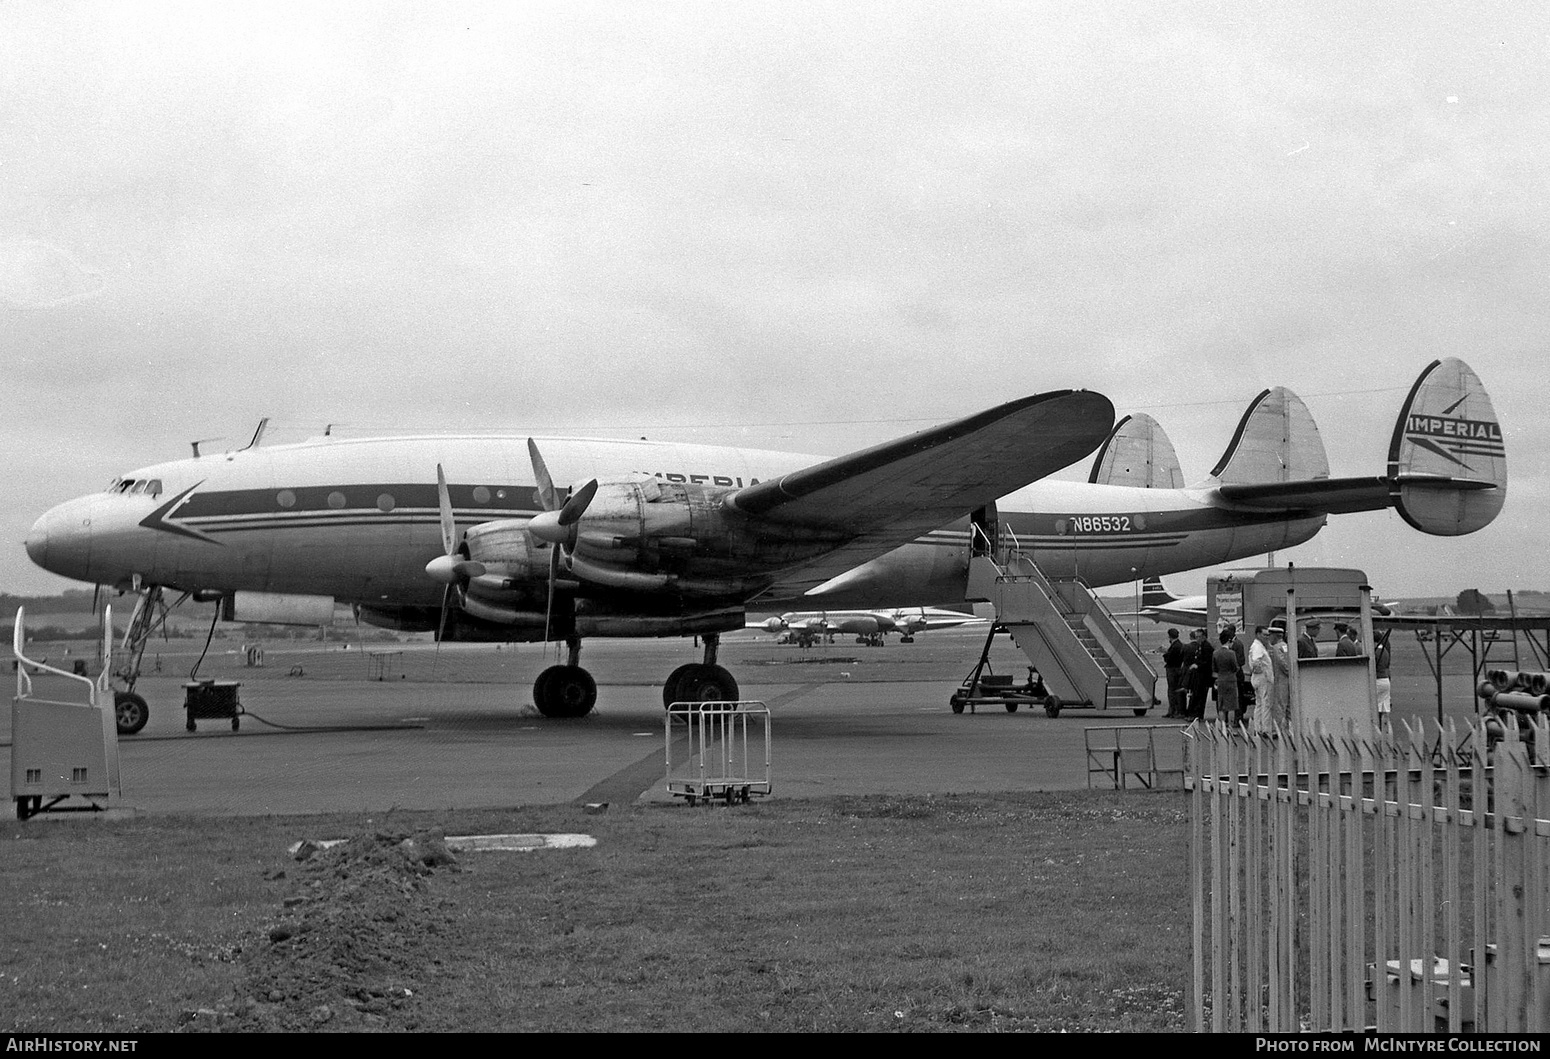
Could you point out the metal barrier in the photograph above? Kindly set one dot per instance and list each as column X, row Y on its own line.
column 1120, row 751
column 717, row 765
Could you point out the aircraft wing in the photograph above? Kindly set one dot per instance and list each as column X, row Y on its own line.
column 888, row 495
column 927, row 479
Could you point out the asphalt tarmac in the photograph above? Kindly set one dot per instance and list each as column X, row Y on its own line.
column 373, row 726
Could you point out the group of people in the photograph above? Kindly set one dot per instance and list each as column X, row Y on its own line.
column 1245, row 677
column 1252, row 683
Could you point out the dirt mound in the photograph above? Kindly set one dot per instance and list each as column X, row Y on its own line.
column 345, row 952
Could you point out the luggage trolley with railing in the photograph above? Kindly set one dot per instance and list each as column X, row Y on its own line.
column 719, row 765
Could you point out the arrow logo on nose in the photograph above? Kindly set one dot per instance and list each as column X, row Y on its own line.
column 157, row 520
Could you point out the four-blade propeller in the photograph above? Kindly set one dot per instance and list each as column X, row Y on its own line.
column 452, row 568
column 555, row 525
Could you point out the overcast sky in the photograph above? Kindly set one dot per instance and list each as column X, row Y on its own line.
column 800, row 226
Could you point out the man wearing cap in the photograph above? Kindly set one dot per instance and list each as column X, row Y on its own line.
column 1281, row 691
column 1173, row 667
column 1307, row 646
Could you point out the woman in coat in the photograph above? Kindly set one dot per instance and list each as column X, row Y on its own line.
column 1225, row 668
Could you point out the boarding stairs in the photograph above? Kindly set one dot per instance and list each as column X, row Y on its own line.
column 1070, row 637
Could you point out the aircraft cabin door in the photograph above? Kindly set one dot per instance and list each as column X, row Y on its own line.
column 983, row 531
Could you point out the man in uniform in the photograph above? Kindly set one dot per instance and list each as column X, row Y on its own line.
column 1281, row 691
column 1173, row 666
column 1307, row 643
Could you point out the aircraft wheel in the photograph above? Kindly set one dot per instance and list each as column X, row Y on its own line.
column 130, row 712
column 906, row 639
column 956, row 703
column 565, row 691
column 1011, row 706
column 670, row 687
column 708, row 684
column 1140, row 711
column 1052, row 706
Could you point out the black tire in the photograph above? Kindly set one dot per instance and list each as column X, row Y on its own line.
column 1052, row 706
column 956, row 703
column 1140, row 711
column 130, row 712
column 708, row 684
column 236, row 722
column 670, row 686
column 565, row 691
column 541, row 689
column 1011, row 706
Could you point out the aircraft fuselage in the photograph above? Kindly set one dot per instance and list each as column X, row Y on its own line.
column 358, row 520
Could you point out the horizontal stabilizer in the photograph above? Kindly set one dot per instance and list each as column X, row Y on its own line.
column 1335, row 496
column 1448, row 459
column 1137, row 453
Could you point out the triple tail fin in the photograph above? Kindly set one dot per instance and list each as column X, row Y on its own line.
column 1448, row 459
column 1447, row 466
column 1276, row 441
column 1137, row 453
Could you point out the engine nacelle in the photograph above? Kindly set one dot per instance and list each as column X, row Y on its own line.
column 508, row 551
column 650, row 535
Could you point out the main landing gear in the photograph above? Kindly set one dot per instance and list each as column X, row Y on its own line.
column 701, row 682
column 569, row 690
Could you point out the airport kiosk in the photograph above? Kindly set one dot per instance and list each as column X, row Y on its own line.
column 1330, row 689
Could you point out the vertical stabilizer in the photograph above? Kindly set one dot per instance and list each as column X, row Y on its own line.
column 1276, row 441
column 1137, row 453
column 1448, row 460
column 1154, row 594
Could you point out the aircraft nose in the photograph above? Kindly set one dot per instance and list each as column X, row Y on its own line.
column 60, row 541
column 37, row 542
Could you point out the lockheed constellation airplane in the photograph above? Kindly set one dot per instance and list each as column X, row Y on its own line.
column 470, row 538
column 870, row 627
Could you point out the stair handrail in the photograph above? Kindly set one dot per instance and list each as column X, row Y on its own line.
column 95, row 685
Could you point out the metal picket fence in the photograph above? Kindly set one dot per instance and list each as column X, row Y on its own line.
column 1355, row 880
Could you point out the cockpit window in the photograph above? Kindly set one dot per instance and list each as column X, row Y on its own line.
column 136, row 486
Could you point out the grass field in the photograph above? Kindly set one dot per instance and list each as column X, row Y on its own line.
column 1041, row 912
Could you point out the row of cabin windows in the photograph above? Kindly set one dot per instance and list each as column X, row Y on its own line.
column 136, row 486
